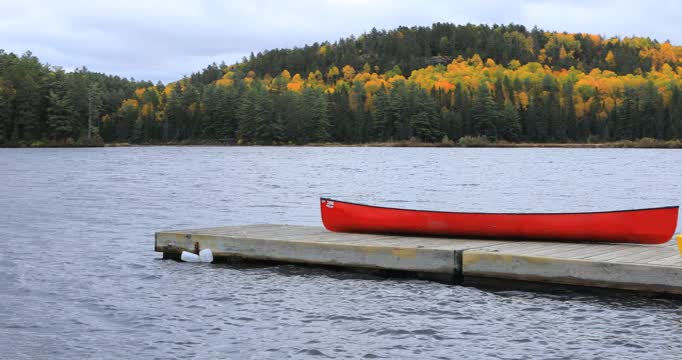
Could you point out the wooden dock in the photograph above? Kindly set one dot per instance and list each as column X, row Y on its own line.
column 651, row 268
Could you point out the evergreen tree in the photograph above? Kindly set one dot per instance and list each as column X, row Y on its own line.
column 94, row 108
column 5, row 114
column 509, row 126
column 452, row 124
column 542, row 80
column 463, row 106
column 568, row 117
column 424, row 120
column 381, row 116
column 249, row 116
column 675, row 113
column 218, row 112
column 360, row 119
column 400, row 106
column 552, row 125
column 626, row 115
column 59, row 112
column 191, row 105
column 30, row 80
column 484, row 113
column 340, row 121
column 537, row 117
column 176, row 115
column 314, row 114
column 255, row 116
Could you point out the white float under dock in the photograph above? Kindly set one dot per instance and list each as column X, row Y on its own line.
column 650, row 268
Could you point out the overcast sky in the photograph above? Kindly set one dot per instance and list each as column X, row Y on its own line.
column 166, row 39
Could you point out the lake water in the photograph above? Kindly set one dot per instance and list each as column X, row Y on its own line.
column 79, row 277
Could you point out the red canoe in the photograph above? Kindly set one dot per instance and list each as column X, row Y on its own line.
column 643, row 226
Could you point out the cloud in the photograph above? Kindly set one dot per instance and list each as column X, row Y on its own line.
column 164, row 40
column 607, row 17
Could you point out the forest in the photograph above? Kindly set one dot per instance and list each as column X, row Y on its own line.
column 430, row 84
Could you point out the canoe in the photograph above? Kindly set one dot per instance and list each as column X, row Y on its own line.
column 642, row 226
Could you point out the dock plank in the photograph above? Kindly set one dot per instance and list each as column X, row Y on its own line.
column 318, row 246
column 625, row 266
column 656, row 268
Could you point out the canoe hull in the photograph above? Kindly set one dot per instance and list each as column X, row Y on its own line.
column 644, row 226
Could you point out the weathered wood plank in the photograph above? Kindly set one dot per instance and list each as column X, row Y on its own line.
column 583, row 252
column 305, row 250
column 625, row 266
column 672, row 260
column 480, row 263
column 645, row 256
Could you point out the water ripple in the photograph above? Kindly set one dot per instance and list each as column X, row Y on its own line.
column 79, row 278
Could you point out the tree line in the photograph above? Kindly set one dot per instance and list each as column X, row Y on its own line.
column 468, row 97
column 39, row 102
column 438, row 83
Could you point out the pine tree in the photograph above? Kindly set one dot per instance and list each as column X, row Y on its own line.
column 176, row 115
column 453, row 124
column 213, row 114
column 94, row 108
column 421, row 125
column 424, row 120
column 380, row 116
column 463, row 106
column 137, row 135
column 5, row 114
column 553, row 126
column 568, row 116
column 314, row 113
column 268, row 130
column 230, row 103
column 218, row 112
column 400, row 106
column 59, row 116
column 360, row 123
column 645, row 120
column 484, row 113
column 509, row 127
column 675, row 113
column 191, row 105
column 340, row 120
column 248, row 117
column 625, row 116
column 537, row 117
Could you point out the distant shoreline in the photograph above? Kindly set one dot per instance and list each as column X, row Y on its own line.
column 645, row 143
column 610, row 145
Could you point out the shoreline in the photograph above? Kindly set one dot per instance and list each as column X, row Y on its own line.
column 645, row 143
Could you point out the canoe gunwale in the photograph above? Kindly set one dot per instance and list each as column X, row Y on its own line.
column 492, row 213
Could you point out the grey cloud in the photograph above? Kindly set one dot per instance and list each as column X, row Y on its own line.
column 164, row 40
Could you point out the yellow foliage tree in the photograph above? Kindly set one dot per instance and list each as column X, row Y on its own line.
column 139, row 92
column 610, row 59
column 130, row 103
column 333, row 73
column 348, row 72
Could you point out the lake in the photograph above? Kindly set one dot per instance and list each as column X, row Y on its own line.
column 79, row 277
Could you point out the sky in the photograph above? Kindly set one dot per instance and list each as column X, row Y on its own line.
column 168, row 39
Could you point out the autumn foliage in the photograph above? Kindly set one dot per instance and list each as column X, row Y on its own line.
column 429, row 83
column 466, row 97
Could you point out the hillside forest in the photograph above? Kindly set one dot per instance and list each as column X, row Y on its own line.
column 429, row 84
